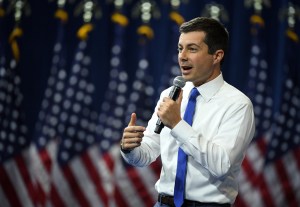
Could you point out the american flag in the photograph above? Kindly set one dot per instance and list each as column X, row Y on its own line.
column 171, row 68
column 258, row 90
column 270, row 174
column 142, row 102
column 132, row 186
column 44, row 145
column 111, row 118
column 282, row 164
column 65, row 151
column 79, row 176
column 16, row 184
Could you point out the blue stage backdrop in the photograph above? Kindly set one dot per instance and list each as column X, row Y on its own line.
column 72, row 72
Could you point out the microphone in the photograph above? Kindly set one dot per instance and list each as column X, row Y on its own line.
column 178, row 83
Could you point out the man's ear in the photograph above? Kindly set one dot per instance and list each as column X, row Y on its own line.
column 218, row 56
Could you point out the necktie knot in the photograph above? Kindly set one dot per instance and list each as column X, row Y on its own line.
column 194, row 94
column 190, row 109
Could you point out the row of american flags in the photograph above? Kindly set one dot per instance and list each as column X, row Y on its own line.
column 271, row 169
column 73, row 158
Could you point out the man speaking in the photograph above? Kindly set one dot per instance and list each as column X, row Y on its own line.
column 207, row 128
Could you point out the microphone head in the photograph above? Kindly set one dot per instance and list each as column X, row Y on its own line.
column 179, row 82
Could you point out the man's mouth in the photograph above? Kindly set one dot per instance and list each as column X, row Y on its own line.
column 186, row 67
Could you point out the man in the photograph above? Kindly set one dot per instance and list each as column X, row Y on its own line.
column 214, row 143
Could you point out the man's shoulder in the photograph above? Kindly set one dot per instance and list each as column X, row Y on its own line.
column 230, row 91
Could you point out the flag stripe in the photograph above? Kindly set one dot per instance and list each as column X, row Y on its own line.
column 39, row 175
column 272, row 186
column 249, row 195
column 252, row 166
column 156, row 167
column 148, row 180
column 75, row 188
column 15, row 175
column 104, row 174
column 46, row 159
column 110, row 160
column 86, row 185
column 3, row 198
column 42, row 162
column 8, row 188
column 40, row 194
column 286, row 187
column 293, row 173
column 265, row 191
column 254, row 161
column 120, row 201
column 22, row 167
column 55, row 197
column 240, row 202
column 124, row 183
column 95, row 178
column 61, row 186
column 292, row 176
column 139, row 186
column 248, row 170
column 297, row 155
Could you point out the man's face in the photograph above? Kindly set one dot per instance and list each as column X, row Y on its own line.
column 195, row 63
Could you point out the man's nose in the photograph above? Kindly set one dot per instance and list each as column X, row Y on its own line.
column 182, row 56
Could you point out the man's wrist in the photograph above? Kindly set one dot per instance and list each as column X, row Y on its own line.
column 174, row 125
column 125, row 151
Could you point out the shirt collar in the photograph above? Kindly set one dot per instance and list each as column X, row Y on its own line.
column 209, row 89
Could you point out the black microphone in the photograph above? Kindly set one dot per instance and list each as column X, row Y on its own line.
column 178, row 83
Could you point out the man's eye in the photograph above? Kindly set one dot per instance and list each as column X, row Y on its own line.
column 179, row 49
column 192, row 49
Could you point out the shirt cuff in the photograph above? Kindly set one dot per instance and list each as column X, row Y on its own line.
column 129, row 157
column 182, row 131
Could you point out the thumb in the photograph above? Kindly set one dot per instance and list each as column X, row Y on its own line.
column 132, row 120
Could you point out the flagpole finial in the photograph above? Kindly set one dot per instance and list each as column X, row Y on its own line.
column 119, row 4
column 175, row 4
column 291, row 14
column 215, row 11
column 20, row 8
column 61, row 3
column 89, row 9
column 257, row 5
column 146, row 9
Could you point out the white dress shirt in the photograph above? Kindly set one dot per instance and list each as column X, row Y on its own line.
column 222, row 129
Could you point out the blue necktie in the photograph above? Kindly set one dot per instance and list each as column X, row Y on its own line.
column 182, row 157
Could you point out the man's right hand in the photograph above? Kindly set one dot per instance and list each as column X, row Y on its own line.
column 132, row 135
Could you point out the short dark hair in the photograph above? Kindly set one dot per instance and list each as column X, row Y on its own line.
column 216, row 36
